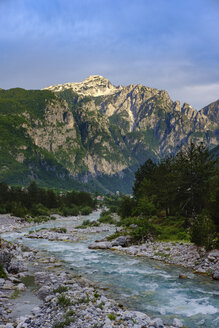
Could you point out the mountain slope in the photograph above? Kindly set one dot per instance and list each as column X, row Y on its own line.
column 93, row 132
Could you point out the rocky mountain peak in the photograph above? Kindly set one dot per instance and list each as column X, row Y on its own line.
column 93, row 85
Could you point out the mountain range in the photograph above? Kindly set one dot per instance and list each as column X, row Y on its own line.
column 94, row 135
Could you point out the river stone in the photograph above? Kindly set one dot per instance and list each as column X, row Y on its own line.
column 40, row 278
column 158, row 323
column 43, row 292
column 121, row 241
column 101, row 245
column 108, row 323
column 21, row 287
column 142, row 316
column 2, row 281
column 182, row 276
column 36, row 310
column 5, row 258
column 15, row 266
column 177, row 323
column 216, row 275
column 9, row 325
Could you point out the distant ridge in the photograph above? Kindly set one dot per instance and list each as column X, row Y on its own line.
column 94, row 132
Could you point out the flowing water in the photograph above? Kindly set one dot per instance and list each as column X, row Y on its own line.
column 139, row 283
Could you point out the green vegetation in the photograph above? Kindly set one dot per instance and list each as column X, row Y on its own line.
column 15, row 294
column 59, row 230
column 88, row 223
column 37, row 204
column 60, row 289
column 176, row 199
column 63, row 301
column 112, row 316
column 2, row 272
column 106, row 217
column 86, row 210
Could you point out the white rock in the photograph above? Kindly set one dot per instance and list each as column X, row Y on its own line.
column 36, row 310
column 158, row 323
column 21, row 287
column 177, row 323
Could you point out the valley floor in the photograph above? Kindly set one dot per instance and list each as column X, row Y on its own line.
column 62, row 299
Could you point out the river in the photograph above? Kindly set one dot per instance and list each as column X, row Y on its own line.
column 139, row 283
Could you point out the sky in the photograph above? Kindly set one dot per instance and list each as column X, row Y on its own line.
column 165, row 44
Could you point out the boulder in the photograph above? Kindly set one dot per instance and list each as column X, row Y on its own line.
column 21, row 287
column 41, row 278
column 121, row 241
column 158, row 323
column 177, row 323
column 216, row 275
column 15, row 266
column 43, row 292
column 101, row 245
column 5, row 258
column 183, row 276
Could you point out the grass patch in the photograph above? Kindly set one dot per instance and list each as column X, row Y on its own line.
column 60, row 289
column 59, row 230
column 112, row 316
column 88, row 223
column 63, row 301
column 2, row 272
column 15, row 294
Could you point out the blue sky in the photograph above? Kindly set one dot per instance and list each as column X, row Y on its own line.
column 166, row 44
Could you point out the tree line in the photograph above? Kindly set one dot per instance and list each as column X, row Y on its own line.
column 180, row 188
column 36, row 201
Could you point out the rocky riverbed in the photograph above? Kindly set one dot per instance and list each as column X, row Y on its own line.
column 71, row 235
column 61, row 298
column 11, row 223
column 178, row 253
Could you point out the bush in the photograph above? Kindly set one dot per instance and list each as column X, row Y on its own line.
column 19, row 211
column 203, row 232
column 69, row 211
column 86, row 210
column 39, row 209
column 106, row 218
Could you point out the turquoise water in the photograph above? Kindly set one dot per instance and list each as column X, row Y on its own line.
column 141, row 284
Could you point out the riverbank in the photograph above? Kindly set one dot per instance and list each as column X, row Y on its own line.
column 184, row 254
column 12, row 223
column 60, row 298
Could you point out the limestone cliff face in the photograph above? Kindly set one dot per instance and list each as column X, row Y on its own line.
column 122, row 126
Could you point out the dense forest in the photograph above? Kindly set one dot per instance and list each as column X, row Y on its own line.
column 35, row 203
column 177, row 198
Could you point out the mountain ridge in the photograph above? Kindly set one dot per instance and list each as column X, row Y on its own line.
column 100, row 134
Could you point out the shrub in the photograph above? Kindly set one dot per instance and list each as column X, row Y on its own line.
column 39, row 209
column 69, row 211
column 107, row 218
column 63, row 301
column 203, row 232
column 19, row 211
column 86, row 210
